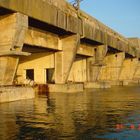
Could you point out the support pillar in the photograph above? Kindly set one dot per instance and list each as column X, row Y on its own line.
column 65, row 58
column 12, row 28
column 94, row 66
column 95, row 63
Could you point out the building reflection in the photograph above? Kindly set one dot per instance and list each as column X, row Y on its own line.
column 69, row 115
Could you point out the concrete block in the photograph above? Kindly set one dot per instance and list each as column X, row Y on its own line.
column 9, row 94
column 65, row 59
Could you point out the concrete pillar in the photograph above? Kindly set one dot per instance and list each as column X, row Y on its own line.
column 65, row 58
column 128, row 69
column 111, row 70
column 95, row 63
column 12, row 28
column 90, row 73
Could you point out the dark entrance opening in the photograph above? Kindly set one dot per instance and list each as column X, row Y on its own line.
column 49, row 75
column 30, row 74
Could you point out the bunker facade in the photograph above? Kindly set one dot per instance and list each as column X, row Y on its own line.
column 52, row 43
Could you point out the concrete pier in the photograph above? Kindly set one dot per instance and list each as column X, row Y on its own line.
column 9, row 94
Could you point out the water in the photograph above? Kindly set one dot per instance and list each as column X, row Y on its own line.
column 109, row 114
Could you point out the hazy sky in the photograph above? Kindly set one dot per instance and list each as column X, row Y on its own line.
column 121, row 15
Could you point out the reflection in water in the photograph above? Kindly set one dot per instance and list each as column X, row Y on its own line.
column 93, row 114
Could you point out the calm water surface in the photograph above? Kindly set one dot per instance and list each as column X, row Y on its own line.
column 92, row 115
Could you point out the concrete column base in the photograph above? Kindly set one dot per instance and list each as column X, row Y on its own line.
column 97, row 85
column 9, row 94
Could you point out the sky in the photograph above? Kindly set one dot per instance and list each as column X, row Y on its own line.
column 121, row 15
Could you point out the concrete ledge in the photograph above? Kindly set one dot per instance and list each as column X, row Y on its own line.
column 131, row 82
column 9, row 94
column 120, row 83
column 97, row 85
column 124, row 82
column 116, row 83
column 66, row 88
column 14, row 53
column 134, row 82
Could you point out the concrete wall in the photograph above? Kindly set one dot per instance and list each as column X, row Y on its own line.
column 78, row 71
column 102, row 66
column 137, row 72
column 112, row 67
column 77, row 54
column 39, row 62
column 128, row 69
column 10, row 94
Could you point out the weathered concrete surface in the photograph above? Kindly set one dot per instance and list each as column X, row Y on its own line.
column 97, row 85
column 48, row 40
column 135, row 41
column 12, row 28
column 95, row 63
column 44, row 39
column 39, row 62
column 65, row 58
column 65, row 88
column 90, row 70
column 14, row 53
column 111, row 70
column 65, row 45
column 9, row 94
column 78, row 70
column 128, row 69
column 85, row 49
column 64, row 16
column 137, row 73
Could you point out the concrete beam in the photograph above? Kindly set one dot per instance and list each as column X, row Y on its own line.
column 14, row 53
column 12, row 28
column 86, row 50
column 44, row 39
column 64, row 59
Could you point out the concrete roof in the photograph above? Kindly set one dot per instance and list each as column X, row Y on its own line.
column 61, row 14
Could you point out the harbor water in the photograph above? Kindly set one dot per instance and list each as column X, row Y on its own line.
column 103, row 114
